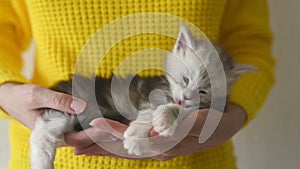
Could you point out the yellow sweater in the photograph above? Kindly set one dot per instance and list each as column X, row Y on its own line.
column 61, row 28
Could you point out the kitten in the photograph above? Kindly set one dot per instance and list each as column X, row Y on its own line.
column 185, row 85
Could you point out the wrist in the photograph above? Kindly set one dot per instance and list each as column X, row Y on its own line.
column 5, row 86
column 238, row 113
column 231, row 122
column 5, row 89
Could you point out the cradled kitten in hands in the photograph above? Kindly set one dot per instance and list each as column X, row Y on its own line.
column 186, row 85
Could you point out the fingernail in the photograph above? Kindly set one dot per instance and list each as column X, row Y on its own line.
column 77, row 153
column 78, row 106
column 92, row 123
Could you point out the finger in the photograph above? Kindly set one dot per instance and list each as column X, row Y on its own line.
column 98, row 151
column 93, row 149
column 85, row 138
column 61, row 144
column 114, row 149
column 47, row 98
column 163, row 158
column 164, row 139
column 113, row 127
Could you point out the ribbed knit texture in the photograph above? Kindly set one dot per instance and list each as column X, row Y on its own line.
column 61, row 28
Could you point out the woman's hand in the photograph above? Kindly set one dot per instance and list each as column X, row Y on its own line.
column 31, row 99
column 106, row 132
column 231, row 121
column 25, row 102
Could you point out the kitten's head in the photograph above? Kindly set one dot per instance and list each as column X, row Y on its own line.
column 186, row 69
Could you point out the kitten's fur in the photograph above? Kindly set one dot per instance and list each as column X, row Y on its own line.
column 179, row 84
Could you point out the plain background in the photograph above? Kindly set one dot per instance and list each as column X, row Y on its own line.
column 271, row 140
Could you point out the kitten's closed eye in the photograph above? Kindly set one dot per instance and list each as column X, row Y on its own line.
column 202, row 92
column 186, row 80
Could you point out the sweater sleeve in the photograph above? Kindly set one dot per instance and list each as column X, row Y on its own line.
column 15, row 36
column 245, row 34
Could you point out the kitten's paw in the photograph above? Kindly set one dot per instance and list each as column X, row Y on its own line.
column 136, row 138
column 164, row 122
column 136, row 146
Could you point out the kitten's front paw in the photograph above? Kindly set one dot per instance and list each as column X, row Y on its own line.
column 136, row 146
column 136, row 138
column 164, row 121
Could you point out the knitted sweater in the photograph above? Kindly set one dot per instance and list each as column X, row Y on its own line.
column 61, row 28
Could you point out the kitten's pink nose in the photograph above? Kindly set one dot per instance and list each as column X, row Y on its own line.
column 178, row 101
column 181, row 103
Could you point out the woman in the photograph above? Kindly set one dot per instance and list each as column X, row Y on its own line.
column 61, row 28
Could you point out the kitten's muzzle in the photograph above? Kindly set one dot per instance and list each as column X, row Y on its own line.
column 187, row 103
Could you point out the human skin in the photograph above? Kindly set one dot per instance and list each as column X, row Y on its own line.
column 32, row 99
column 25, row 102
column 231, row 122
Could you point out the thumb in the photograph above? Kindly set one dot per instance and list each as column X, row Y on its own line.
column 62, row 102
column 110, row 126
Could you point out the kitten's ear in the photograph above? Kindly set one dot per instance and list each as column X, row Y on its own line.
column 240, row 69
column 184, row 39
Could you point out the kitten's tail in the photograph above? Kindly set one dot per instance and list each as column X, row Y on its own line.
column 49, row 129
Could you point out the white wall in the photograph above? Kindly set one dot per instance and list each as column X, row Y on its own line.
column 4, row 144
column 271, row 141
